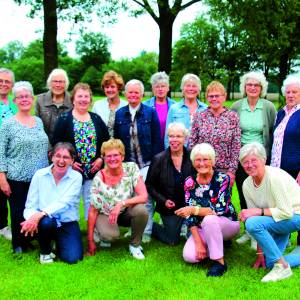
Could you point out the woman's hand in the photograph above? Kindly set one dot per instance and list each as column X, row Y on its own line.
column 201, row 251
column 169, row 204
column 4, row 185
column 298, row 178
column 260, row 262
column 184, row 212
column 250, row 212
column 205, row 211
column 30, row 226
column 77, row 167
column 91, row 248
column 114, row 214
column 96, row 165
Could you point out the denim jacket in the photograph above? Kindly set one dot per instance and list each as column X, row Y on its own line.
column 147, row 127
column 151, row 102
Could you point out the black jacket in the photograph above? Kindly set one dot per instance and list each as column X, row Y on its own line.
column 161, row 183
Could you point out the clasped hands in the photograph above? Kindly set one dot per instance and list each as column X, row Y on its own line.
column 30, row 226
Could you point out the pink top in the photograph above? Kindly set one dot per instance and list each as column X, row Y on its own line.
column 162, row 112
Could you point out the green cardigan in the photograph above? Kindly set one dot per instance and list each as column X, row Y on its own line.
column 269, row 116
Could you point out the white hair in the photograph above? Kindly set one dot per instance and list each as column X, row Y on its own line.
column 255, row 149
column 57, row 72
column 204, row 149
column 190, row 77
column 290, row 79
column 178, row 127
column 9, row 72
column 254, row 75
column 135, row 82
column 159, row 77
column 20, row 86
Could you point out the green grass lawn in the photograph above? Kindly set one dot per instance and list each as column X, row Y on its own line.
column 113, row 274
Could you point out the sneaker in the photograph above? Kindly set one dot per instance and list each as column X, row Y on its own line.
column 253, row 243
column 244, row 238
column 6, row 233
column 96, row 236
column 184, row 231
column 104, row 244
column 146, row 238
column 47, row 258
column 217, row 269
column 278, row 272
column 136, row 252
column 128, row 233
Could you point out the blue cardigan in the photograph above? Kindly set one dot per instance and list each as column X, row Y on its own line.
column 290, row 156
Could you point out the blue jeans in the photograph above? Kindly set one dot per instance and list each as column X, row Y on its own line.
column 273, row 237
column 67, row 237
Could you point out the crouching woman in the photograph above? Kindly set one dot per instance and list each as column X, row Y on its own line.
column 52, row 207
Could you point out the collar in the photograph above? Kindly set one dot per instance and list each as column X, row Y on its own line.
column 245, row 105
column 67, row 175
column 49, row 102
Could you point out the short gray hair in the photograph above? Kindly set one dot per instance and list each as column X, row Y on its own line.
column 203, row 149
column 22, row 85
column 159, row 77
column 177, row 126
column 255, row 75
column 56, row 72
column 135, row 82
column 290, row 79
column 255, row 149
column 9, row 72
column 191, row 77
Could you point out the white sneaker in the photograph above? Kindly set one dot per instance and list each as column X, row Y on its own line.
column 136, row 252
column 6, row 233
column 104, row 244
column 244, row 238
column 278, row 272
column 128, row 233
column 253, row 243
column 47, row 258
column 146, row 238
column 96, row 236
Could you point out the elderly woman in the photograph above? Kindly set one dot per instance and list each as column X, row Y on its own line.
column 23, row 151
column 257, row 117
column 164, row 183
column 137, row 126
column 50, row 105
column 209, row 213
column 273, row 212
column 118, row 198
column 7, row 109
column 112, row 84
column 52, row 207
column 220, row 128
column 160, row 101
column 86, row 132
column 184, row 111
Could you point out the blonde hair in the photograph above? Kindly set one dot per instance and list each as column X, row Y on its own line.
column 81, row 86
column 113, row 144
column 112, row 76
column 215, row 86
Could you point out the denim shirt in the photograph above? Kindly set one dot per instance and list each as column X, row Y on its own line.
column 151, row 102
column 180, row 113
column 147, row 127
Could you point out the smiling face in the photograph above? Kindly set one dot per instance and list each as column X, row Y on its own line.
column 216, row 99
column 133, row 95
column 160, row 90
column 203, row 164
column 190, row 90
column 58, row 85
column 176, row 140
column 6, row 84
column 24, row 100
column 61, row 159
column 253, row 88
column 82, row 100
column 113, row 159
column 111, row 90
column 253, row 166
column 292, row 95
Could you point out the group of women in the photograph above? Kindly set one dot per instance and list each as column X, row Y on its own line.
column 119, row 151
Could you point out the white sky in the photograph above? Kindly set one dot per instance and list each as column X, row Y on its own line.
column 129, row 35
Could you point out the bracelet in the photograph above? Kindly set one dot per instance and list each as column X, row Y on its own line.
column 196, row 212
column 259, row 253
column 262, row 212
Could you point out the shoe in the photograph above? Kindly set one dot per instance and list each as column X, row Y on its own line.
column 146, row 238
column 184, row 231
column 47, row 258
column 104, row 244
column 6, row 233
column 244, row 238
column 18, row 250
column 128, row 233
column 96, row 236
column 217, row 269
column 136, row 252
column 278, row 272
column 253, row 243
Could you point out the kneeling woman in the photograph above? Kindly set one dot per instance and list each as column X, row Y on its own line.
column 209, row 213
column 118, row 196
column 52, row 207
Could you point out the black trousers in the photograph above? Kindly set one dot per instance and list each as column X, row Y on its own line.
column 240, row 176
column 3, row 210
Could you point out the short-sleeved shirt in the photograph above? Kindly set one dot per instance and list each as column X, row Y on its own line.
column 105, row 197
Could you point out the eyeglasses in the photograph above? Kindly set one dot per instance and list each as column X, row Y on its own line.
column 202, row 160
column 175, row 136
column 4, row 81
column 214, row 96
column 112, row 156
column 64, row 157
column 26, row 97
column 247, row 163
column 58, row 81
column 255, row 85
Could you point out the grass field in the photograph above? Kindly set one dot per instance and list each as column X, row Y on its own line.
column 113, row 274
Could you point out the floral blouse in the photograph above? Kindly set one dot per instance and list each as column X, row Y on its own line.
column 104, row 197
column 215, row 195
column 223, row 133
column 86, row 143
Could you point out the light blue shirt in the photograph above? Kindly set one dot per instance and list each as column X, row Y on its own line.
column 179, row 112
column 60, row 201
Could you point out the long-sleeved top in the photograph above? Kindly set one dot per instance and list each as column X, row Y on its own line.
column 60, row 201
column 7, row 111
column 223, row 133
column 23, row 150
column 48, row 111
column 278, row 191
column 64, row 132
column 215, row 195
column 180, row 112
column 164, row 182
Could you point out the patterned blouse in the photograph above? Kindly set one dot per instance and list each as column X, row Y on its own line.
column 104, row 197
column 215, row 195
column 86, row 143
column 223, row 133
column 23, row 150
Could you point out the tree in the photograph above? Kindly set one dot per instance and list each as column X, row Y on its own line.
column 93, row 49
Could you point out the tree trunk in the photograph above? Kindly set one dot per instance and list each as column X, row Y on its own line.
column 50, row 37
